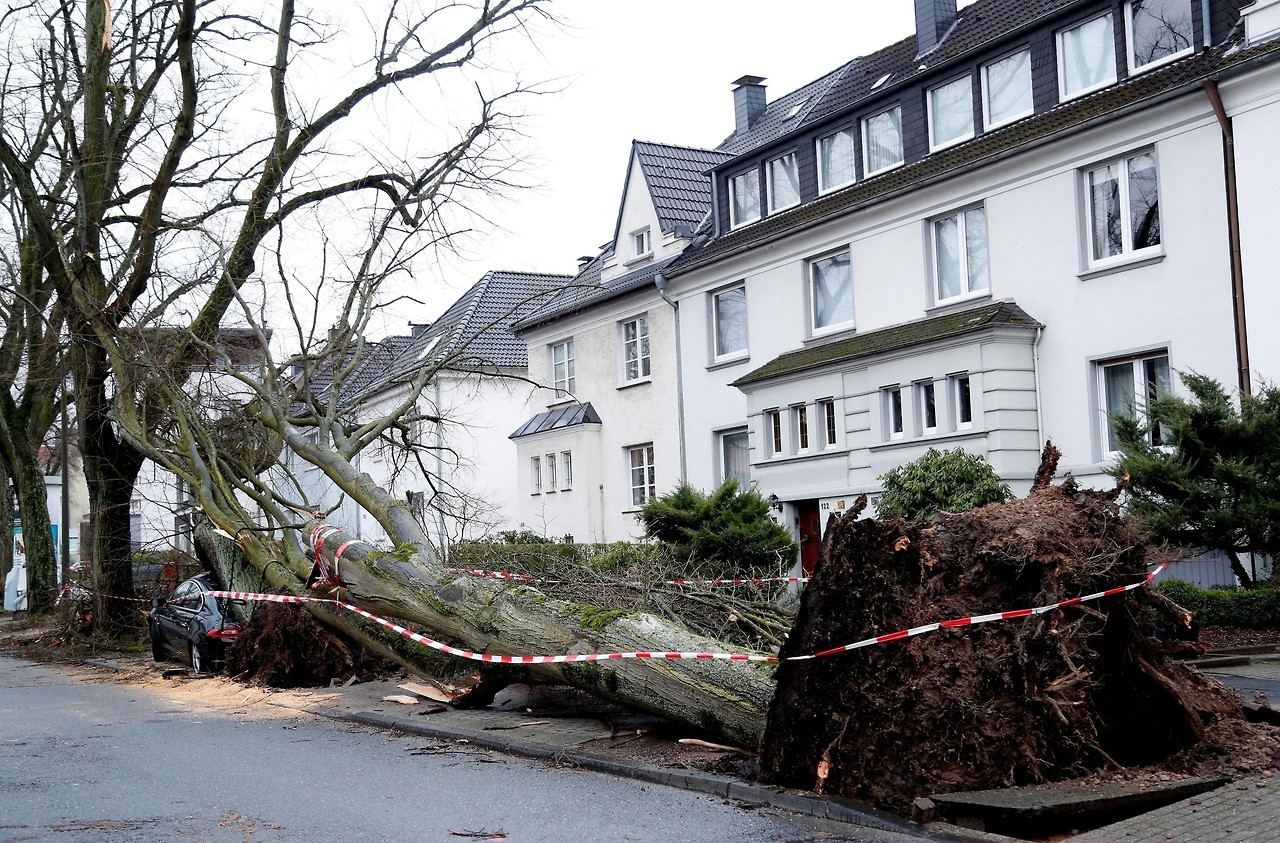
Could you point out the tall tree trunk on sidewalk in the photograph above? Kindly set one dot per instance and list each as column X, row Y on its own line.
column 33, row 506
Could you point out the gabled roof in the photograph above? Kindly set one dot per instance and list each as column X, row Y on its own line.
column 785, row 115
column 586, row 290
column 1148, row 88
column 560, row 417
column 893, row 338
column 677, row 180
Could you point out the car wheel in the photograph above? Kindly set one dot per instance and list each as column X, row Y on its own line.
column 197, row 659
column 158, row 651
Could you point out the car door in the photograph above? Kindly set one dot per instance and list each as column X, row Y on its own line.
column 176, row 616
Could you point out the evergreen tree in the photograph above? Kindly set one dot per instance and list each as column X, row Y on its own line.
column 940, row 481
column 729, row 525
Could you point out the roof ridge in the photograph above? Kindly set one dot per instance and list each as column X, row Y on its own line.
column 708, row 150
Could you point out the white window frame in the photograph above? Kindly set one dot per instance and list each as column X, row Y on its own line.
column 566, row 470
column 851, row 133
column 960, row 388
column 1127, row 253
column 1131, row 59
column 967, row 290
column 1063, row 96
column 1141, row 396
column 934, row 143
column 895, row 417
column 769, row 181
column 647, row 489
column 722, row 441
column 641, row 243
column 643, row 350
column 551, row 472
column 987, row 120
column 800, row 428
column 866, row 147
column 811, row 292
column 734, row 221
column 926, row 400
column 773, row 432
column 563, row 386
column 717, row 353
column 535, row 474
column 828, row 421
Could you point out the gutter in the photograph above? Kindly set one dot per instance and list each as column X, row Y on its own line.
column 1231, row 188
column 660, row 281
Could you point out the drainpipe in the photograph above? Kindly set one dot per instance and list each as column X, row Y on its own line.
column 1233, row 235
column 660, row 281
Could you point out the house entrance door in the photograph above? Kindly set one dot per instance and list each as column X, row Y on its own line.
column 809, row 522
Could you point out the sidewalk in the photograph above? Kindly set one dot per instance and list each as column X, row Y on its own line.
column 1247, row 810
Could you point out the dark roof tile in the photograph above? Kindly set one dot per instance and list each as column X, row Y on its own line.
column 558, row 417
column 677, row 180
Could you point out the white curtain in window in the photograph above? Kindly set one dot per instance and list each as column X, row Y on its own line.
column 1118, row 388
column 946, row 244
column 835, row 153
column 975, row 244
column 1088, row 55
column 951, row 112
column 736, row 457
column 731, row 321
column 884, row 140
column 832, row 291
column 746, row 196
column 1160, row 28
column 1104, row 199
column 1008, row 88
column 784, row 182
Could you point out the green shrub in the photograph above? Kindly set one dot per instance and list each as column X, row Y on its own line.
column 940, row 481
column 1257, row 608
column 729, row 526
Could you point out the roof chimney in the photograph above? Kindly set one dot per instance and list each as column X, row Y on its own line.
column 748, row 102
column 933, row 19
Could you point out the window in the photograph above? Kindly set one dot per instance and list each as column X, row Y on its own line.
column 729, row 311
column 961, row 402
column 1127, row 388
column 735, row 457
column 960, row 255
column 551, row 472
column 893, row 424
column 773, row 418
column 1086, row 57
column 536, row 474
column 882, row 140
column 562, row 367
column 635, row 349
column 831, row 292
column 1006, row 89
column 1124, row 208
column 784, row 182
column 644, row 485
column 927, row 404
column 800, row 424
column 640, row 243
column 1159, row 31
column 744, row 198
column 827, row 412
column 951, row 113
column 835, row 160
column 566, row 470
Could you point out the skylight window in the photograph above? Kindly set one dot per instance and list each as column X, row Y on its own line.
column 881, row 81
column 796, row 109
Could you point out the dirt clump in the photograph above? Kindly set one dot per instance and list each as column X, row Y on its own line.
column 285, row 647
column 1049, row 697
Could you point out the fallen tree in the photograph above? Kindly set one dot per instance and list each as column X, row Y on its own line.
column 1044, row 698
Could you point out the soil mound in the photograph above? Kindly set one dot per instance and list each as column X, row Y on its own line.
column 1044, row 698
column 285, row 647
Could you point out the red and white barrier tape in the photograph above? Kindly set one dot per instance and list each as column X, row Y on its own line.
column 507, row 575
column 751, row 657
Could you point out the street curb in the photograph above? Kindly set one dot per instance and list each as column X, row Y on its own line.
column 831, row 808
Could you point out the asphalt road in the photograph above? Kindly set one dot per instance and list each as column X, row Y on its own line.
column 85, row 756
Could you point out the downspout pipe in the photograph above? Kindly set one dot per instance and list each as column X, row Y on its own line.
column 660, row 281
column 1233, row 235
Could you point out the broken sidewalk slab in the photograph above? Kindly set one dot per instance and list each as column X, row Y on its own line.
column 1049, row 809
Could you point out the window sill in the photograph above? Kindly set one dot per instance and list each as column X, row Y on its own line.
column 948, row 144
column 957, row 435
column 1064, row 97
column 639, row 259
column 827, row 336
column 726, row 363
column 636, row 382
column 957, row 303
column 1122, row 265
column 808, row 456
column 1158, row 63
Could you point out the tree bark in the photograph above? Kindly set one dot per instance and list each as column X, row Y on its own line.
column 33, row 506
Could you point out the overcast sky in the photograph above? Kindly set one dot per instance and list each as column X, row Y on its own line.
column 656, row 70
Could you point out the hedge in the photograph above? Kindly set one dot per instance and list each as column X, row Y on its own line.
column 1257, row 608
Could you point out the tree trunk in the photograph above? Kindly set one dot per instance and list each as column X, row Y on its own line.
column 1238, row 568
column 33, row 506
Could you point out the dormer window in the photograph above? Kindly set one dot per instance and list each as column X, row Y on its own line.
column 641, row 245
column 951, row 113
column 1159, row 31
column 1086, row 57
column 835, row 160
column 784, row 182
column 744, row 198
column 882, row 140
column 1006, row 89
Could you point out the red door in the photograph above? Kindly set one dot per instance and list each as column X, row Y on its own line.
column 810, row 524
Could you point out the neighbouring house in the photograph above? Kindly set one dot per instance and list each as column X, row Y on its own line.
column 451, row 460
column 1019, row 221
column 603, row 435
